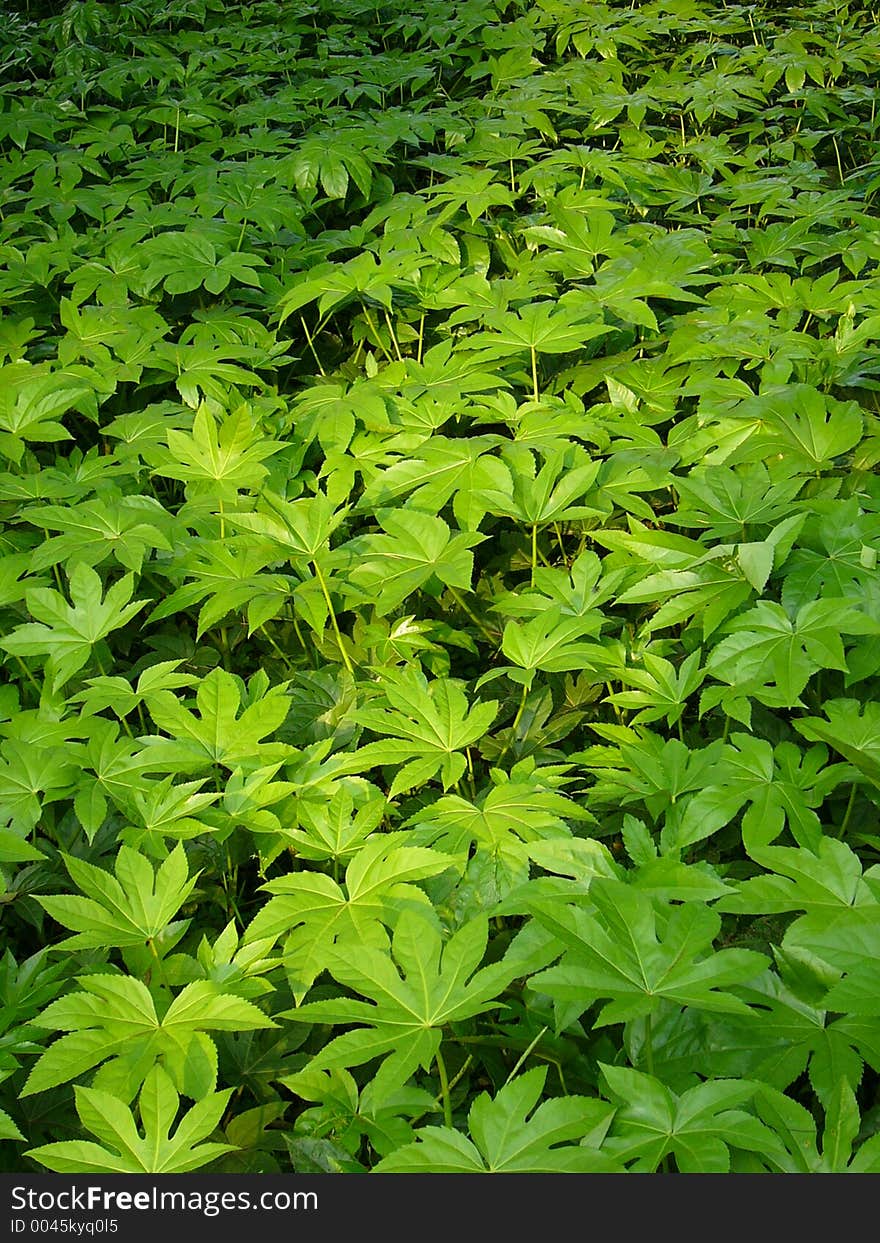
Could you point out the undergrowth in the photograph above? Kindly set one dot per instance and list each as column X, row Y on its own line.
column 439, row 589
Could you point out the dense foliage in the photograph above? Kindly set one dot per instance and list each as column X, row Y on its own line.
column 440, row 604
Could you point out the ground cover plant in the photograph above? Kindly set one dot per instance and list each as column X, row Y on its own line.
column 438, row 568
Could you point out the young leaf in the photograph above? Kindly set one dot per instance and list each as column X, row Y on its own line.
column 511, row 1136
column 123, row 1148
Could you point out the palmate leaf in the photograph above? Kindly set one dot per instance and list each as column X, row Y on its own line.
column 834, row 555
column 551, row 643
column 644, row 767
column 346, row 1113
column 545, row 327
column 846, row 934
column 852, row 729
column 519, row 808
column 115, row 1017
column 509, row 1135
column 809, row 427
column 337, row 830
column 414, row 991
column 501, row 828
column 777, row 655
column 827, row 879
column 796, row 1150
column 131, row 908
column 228, row 455
column 426, row 724
column 661, row 691
column 300, row 529
column 782, row 785
column 788, row 1031
column 545, row 496
column 66, row 633
column 688, row 581
column 183, row 261
column 31, row 402
column 227, row 575
column 124, row 527
column 620, row 953
column 318, row 160
column 441, row 470
column 30, row 778
column 203, row 370
column 698, row 1128
column 415, row 548
column 123, row 1148
column 312, row 912
column 222, row 733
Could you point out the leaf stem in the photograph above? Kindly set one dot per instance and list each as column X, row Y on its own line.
column 312, row 345
column 284, row 659
column 465, row 608
column 30, row 677
column 375, row 332
column 841, row 832
column 444, row 1090
column 525, row 1053
column 393, row 336
column 333, row 621
column 520, row 709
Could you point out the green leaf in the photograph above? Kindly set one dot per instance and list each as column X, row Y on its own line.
column 126, row 1149
column 619, row 953
column 66, row 633
column 425, row 722
column 416, row 547
column 414, row 992
column 698, row 1128
column 511, row 1136
column 131, row 908
column 115, row 1017
column 312, row 912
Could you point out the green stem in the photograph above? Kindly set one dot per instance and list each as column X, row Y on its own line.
column 561, row 544
column 610, row 689
column 506, row 1042
column 534, row 553
column 525, row 1053
column 481, row 626
column 30, row 677
column 520, row 710
column 333, row 621
column 444, row 1090
column 55, row 571
column 536, row 394
column 841, row 832
column 375, row 332
column 275, row 647
column 393, row 336
column 312, row 345
column 300, row 635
